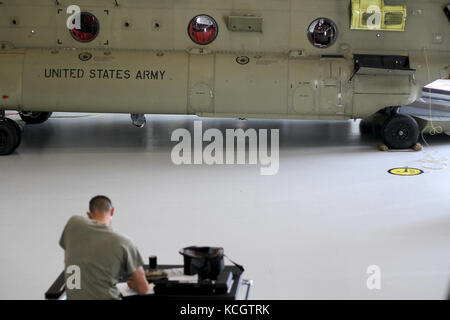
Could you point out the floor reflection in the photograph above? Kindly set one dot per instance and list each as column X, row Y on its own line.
column 115, row 132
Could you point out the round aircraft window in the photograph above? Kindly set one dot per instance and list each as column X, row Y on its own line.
column 203, row 29
column 89, row 28
column 322, row 33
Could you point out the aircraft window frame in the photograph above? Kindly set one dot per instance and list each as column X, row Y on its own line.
column 309, row 33
column 215, row 24
column 94, row 35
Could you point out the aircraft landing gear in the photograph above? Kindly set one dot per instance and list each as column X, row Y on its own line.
column 10, row 135
column 34, row 117
column 373, row 124
column 366, row 127
column 400, row 131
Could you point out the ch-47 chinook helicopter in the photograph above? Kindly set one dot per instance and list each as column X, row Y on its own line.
column 286, row 59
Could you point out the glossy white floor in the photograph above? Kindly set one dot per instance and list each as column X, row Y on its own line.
column 308, row 232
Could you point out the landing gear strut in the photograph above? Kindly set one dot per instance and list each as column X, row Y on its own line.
column 10, row 135
column 138, row 120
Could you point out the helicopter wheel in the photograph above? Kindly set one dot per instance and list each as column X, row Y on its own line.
column 17, row 128
column 10, row 136
column 400, row 131
column 34, row 117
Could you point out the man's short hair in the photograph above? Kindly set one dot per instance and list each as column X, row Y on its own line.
column 100, row 204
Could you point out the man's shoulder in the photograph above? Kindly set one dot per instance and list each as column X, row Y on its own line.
column 74, row 224
column 123, row 239
column 77, row 220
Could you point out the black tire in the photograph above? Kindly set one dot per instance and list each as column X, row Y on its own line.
column 8, row 138
column 17, row 129
column 400, row 131
column 35, row 117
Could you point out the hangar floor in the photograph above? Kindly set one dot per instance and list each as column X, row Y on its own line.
column 308, row 232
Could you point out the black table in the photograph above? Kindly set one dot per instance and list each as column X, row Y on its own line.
column 57, row 289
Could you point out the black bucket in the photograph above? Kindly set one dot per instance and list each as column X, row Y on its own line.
column 207, row 262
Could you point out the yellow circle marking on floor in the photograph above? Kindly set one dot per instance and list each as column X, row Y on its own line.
column 405, row 171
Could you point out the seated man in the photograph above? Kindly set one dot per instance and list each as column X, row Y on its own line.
column 100, row 254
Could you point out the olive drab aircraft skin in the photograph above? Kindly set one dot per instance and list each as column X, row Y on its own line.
column 286, row 59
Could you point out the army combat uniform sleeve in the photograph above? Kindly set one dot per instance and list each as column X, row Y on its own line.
column 132, row 257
